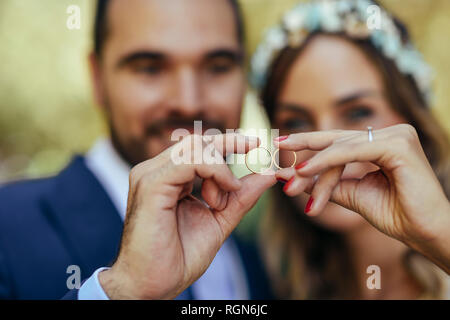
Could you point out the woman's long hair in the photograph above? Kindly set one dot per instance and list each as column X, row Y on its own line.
column 307, row 261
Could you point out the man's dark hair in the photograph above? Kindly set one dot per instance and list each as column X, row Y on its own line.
column 101, row 24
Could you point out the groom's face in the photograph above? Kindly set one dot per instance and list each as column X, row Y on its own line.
column 164, row 64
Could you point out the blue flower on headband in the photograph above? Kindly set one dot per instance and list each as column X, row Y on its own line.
column 361, row 6
column 312, row 20
column 378, row 38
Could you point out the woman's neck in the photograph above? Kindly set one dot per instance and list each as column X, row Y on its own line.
column 369, row 247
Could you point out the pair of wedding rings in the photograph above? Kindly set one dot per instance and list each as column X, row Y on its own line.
column 273, row 160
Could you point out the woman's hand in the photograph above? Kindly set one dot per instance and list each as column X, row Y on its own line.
column 403, row 199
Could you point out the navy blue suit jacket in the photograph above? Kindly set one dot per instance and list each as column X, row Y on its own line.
column 49, row 224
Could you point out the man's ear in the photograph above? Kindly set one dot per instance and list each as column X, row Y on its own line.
column 97, row 79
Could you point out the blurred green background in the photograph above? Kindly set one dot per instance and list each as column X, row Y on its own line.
column 46, row 109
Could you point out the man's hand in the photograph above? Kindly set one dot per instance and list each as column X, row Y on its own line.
column 170, row 237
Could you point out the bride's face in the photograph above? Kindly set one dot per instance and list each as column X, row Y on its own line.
column 333, row 85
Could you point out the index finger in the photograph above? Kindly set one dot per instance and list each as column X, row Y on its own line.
column 232, row 143
column 317, row 140
column 210, row 149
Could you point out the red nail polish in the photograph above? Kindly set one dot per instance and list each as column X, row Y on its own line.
column 301, row 165
column 282, row 138
column 309, row 205
column 288, row 184
column 282, row 180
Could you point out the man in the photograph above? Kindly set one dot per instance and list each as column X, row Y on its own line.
column 158, row 65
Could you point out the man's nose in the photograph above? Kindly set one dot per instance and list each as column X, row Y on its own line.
column 186, row 94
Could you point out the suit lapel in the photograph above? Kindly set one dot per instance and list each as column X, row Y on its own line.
column 85, row 217
column 257, row 279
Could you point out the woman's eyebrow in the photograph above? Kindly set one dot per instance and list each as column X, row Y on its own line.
column 356, row 96
column 293, row 107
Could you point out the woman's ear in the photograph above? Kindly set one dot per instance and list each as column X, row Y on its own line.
column 96, row 79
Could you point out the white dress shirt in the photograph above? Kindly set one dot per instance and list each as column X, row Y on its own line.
column 225, row 278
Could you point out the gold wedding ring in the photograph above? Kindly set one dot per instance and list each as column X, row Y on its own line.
column 276, row 164
column 272, row 157
column 248, row 166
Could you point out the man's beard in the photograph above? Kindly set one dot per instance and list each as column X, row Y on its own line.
column 134, row 151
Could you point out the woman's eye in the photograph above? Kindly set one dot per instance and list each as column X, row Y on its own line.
column 296, row 125
column 150, row 70
column 358, row 114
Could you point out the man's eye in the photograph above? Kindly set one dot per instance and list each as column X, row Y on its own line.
column 358, row 114
column 146, row 67
column 219, row 67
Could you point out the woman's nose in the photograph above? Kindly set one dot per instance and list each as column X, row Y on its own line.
column 326, row 123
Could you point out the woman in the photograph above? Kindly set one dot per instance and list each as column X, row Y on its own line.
column 323, row 69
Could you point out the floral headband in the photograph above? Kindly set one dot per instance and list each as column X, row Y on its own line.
column 355, row 19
